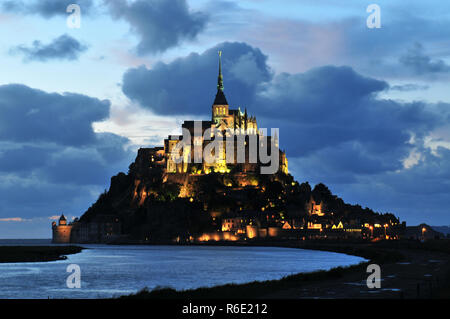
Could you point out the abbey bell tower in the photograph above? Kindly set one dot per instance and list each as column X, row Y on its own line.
column 223, row 117
column 220, row 105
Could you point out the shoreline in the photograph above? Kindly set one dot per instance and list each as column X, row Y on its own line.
column 409, row 270
column 24, row 254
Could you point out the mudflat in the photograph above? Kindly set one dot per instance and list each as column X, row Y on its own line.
column 409, row 270
column 420, row 274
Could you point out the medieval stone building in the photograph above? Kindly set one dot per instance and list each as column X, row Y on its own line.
column 237, row 143
column 229, row 143
column 62, row 231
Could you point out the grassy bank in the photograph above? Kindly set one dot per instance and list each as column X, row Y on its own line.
column 12, row 254
column 249, row 290
column 375, row 253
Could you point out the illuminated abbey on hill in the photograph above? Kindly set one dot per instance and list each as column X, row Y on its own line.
column 226, row 139
column 230, row 145
column 222, row 179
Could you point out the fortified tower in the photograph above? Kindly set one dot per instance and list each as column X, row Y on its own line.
column 61, row 232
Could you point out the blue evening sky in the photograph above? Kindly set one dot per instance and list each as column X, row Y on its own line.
column 365, row 111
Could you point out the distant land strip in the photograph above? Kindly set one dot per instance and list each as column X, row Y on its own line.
column 15, row 254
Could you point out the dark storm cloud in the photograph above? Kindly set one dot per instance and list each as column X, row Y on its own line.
column 323, row 107
column 421, row 64
column 188, row 85
column 62, row 48
column 76, row 166
column 336, row 130
column 30, row 198
column 53, row 163
column 110, row 146
column 50, row 157
column 431, row 175
column 332, row 111
column 306, row 96
column 22, row 159
column 45, row 8
column 161, row 24
column 30, row 115
column 92, row 165
column 332, row 105
column 417, row 194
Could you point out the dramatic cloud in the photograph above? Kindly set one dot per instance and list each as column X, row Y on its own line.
column 336, row 130
column 51, row 160
column 188, row 85
column 161, row 24
column 417, row 194
column 62, row 48
column 26, row 115
column 330, row 105
column 45, row 8
column 326, row 106
column 333, row 124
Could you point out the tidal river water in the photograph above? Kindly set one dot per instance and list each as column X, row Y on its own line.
column 108, row 271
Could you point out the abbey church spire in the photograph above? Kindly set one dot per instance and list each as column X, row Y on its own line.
column 220, row 78
column 220, row 97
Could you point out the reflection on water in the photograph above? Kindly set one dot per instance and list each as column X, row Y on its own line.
column 108, row 271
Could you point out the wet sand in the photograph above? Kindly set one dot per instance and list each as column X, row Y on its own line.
column 422, row 274
column 409, row 270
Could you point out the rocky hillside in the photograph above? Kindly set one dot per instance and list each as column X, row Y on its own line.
column 154, row 205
